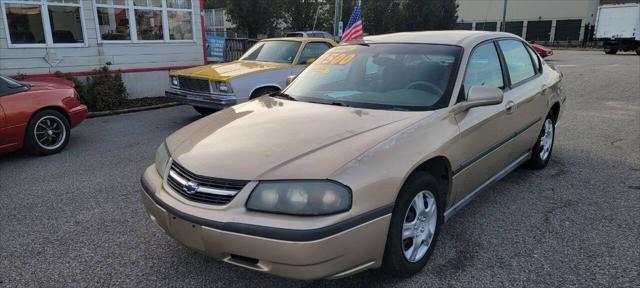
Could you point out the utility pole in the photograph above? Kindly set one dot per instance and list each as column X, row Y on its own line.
column 504, row 17
column 315, row 20
column 336, row 16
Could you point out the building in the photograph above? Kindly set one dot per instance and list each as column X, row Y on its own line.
column 144, row 39
column 539, row 20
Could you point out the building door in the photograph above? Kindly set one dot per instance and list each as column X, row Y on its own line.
column 538, row 30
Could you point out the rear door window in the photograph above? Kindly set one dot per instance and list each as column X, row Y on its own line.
column 534, row 58
column 518, row 61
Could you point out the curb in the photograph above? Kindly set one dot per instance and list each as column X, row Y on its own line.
column 131, row 110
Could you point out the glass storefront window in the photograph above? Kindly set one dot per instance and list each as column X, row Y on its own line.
column 149, row 24
column 66, row 25
column 25, row 23
column 114, row 23
column 180, row 27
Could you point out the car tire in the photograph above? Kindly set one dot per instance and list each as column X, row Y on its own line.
column 399, row 246
column 263, row 91
column 638, row 51
column 48, row 133
column 610, row 51
column 541, row 151
column 205, row 111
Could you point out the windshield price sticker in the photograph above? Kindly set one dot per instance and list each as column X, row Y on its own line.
column 336, row 58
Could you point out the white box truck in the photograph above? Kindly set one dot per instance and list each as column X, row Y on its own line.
column 618, row 26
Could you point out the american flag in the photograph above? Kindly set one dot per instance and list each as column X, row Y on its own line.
column 354, row 27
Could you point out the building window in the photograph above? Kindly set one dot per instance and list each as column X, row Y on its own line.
column 42, row 23
column 113, row 19
column 66, row 24
column 180, row 19
column 144, row 20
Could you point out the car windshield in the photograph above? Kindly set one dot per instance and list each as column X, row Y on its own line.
column 12, row 83
column 380, row 76
column 273, row 51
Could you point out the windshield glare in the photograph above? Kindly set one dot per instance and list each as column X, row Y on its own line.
column 273, row 51
column 380, row 76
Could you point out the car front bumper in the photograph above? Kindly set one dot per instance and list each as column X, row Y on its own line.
column 341, row 253
column 208, row 100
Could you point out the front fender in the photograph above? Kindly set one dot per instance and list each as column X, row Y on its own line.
column 244, row 86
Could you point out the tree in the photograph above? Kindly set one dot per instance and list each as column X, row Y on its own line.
column 255, row 16
column 301, row 14
column 214, row 4
column 380, row 16
column 418, row 15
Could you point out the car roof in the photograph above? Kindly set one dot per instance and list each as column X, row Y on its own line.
column 312, row 31
column 299, row 39
column 463, row 38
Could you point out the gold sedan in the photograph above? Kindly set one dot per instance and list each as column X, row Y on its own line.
column 358, row 163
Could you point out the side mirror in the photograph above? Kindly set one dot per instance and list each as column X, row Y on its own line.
column 479, row 96
column 309, row 61
column 291, row 78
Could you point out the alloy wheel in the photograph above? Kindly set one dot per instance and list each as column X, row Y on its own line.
column 546, row 140
column 50, row 132
column 419, row 226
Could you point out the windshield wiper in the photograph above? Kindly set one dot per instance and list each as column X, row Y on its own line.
column 334, row 103
column 282, row 95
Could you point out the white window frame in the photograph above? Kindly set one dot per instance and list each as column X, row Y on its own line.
column 132, row 31
column 133, row 28
column 44, row 6
column 193, row 22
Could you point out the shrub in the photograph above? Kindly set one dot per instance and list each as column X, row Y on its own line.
column 103, row 91
column 107, row 89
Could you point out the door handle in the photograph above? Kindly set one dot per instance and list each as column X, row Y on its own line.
column 510, row 107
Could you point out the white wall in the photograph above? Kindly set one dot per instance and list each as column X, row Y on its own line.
column 474, row 11
column 122, row 56
column 491, row 10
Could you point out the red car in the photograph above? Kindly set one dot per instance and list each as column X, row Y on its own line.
column 544, row 52
column 37, row 114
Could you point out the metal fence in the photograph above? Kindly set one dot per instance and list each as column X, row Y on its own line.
column 235, row 47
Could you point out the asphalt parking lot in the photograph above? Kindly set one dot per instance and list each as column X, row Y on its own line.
column 75, row 218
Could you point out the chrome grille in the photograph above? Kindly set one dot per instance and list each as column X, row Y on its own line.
column 194, row 84
column 203, row 189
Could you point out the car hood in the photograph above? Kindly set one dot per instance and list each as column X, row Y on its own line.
column 228, row 71
column 270, row 138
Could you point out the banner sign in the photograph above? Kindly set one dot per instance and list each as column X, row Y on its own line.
column 215, row 48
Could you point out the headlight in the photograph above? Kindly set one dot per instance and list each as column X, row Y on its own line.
column 174, row 81
column 309, row 197
column 221, row 87
column 162, row 158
